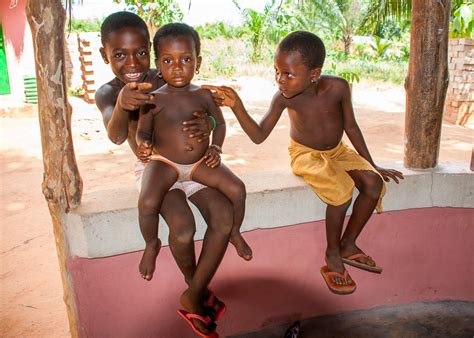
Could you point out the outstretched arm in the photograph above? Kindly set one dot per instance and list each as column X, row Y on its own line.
column 258, row 132
column 116, row 104
column 357, row 139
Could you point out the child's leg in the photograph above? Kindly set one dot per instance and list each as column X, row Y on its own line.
column 233, row 188
column 180, row 219
column 334, row 222
column 158, row 177
column 217, row 211
column 370, row 186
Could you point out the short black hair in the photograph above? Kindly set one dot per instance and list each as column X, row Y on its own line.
column 119, row 20
column 309, row 45
column 175, row 30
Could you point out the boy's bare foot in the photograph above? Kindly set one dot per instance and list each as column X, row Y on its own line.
column 334, row 263
column 148, row 261
column 350, row 248
column 243, row 249
column 193, row 304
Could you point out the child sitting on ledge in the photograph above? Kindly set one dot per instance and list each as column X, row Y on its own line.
column 320, row 111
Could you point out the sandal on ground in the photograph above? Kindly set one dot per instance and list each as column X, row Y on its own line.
column 339, row 289
column 352, row 260
column 210, row 306
column 211, row 326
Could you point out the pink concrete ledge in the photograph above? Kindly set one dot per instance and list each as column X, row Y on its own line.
column 426, row 254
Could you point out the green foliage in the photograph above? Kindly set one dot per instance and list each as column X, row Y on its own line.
column 86, row 25
column 76, row 91
column 336, row 19
column 256, row 25
column 462, row 21
column 383, row 71
column 380, row 46
column 382, row 12
column 156, row 13
column 350, row 76
column 219, row 29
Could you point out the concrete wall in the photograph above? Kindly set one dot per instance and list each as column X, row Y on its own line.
column 423, row 240
column 426, row 254
column 102, row 226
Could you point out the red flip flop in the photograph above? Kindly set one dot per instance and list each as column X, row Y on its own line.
column 347, row 289
column 352, row 260
column 187, row 316
column 212, row 300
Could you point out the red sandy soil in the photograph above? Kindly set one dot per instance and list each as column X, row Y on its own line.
column 31, row 290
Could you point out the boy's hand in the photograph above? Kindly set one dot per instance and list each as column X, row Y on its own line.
column 223, row 96
column 200, row 126
column 388, row 174
column 133, row 95
column 144, row 151
column 212, row 157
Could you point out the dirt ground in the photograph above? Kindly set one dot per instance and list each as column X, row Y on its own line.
column 31, row 290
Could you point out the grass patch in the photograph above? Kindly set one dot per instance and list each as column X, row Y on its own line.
column 231, row 58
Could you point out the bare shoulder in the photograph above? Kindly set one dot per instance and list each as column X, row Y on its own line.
column 333, row 84
column 203, row 92
column 279, row 99
column 107, row 94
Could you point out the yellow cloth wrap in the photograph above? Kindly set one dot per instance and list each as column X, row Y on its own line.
column 326, row 171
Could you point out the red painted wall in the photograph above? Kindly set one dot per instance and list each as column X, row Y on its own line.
column 14, row 24
column 426, row 255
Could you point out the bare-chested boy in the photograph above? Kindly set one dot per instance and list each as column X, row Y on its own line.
column 320, row 111
column 126, row 47
column 173, row 156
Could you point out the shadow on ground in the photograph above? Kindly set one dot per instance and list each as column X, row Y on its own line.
column 437, row 319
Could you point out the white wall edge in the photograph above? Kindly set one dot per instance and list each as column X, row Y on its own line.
column 101, row 229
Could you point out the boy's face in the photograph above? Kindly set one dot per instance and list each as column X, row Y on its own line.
column 292, row 76
column 128, row 52
column 177, row 60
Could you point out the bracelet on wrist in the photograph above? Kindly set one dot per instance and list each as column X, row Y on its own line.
column 216, row 148
column 214, row 123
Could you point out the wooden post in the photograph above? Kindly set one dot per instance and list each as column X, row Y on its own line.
column 62, row 184
column 426, row 83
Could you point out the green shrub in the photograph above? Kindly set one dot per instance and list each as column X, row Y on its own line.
column 219, row 30
column 85, row 25
column 383, row 71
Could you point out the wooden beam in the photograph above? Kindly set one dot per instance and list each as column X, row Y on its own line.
column 426, row 83
column 62, row 184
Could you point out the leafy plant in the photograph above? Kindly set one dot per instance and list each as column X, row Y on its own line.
column 380, row 46
column 339, row 19
column 85, row 25
column 256, row 24
column 462, row 22
column 350, row 76
column 156, row 13
column 76, row 91
column 219, row 29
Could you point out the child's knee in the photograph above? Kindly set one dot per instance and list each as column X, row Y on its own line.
column 222, row 221
column 148, row 205
column 183, row 233
column 373, row 184
column 237, row 192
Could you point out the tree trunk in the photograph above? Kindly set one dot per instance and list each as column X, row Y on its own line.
column 62, row 184
column 426, row 83
column 347, row 44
